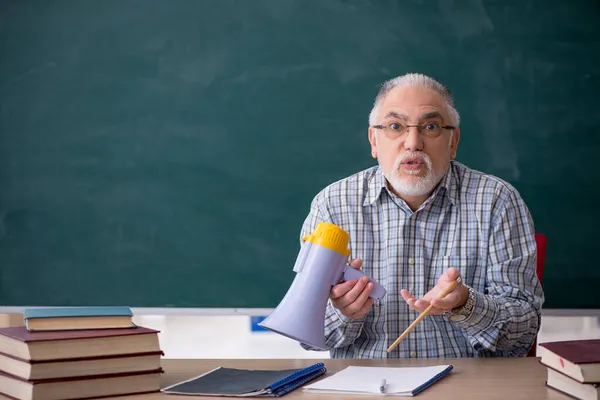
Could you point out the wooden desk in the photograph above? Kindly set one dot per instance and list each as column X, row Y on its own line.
column 499, row 378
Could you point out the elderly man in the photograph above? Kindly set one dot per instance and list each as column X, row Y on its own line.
column 417, row 222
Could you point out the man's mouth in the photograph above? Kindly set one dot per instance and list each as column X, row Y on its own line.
column 413, row 163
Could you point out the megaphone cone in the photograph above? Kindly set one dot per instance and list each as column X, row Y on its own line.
column 321, row 263
column 301, row 314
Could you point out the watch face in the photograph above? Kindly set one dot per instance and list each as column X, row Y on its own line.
column 457, row 317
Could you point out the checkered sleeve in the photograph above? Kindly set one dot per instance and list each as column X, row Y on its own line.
column 340, row 331
column 506, row 318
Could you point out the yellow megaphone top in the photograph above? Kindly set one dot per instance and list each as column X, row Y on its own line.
column 331, row 237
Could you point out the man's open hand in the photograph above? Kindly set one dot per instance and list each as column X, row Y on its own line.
column 456, row 298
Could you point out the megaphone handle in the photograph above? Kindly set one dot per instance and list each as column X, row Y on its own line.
column 353, row 273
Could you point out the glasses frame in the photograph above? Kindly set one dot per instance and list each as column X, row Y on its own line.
column 407, row 126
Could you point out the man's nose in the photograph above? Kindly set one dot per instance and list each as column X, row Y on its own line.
column 413, row 140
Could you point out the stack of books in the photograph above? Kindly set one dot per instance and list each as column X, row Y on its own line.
column 573, row 367
column 76, row 353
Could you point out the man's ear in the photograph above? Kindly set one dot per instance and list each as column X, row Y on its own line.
column 373, row 141
column 454, row 142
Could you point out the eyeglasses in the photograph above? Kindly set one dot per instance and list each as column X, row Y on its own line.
column 432, row 130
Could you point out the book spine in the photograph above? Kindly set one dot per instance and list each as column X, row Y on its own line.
column 132, row 326
column 432, row 380
column 299, row 382
column 296, row 375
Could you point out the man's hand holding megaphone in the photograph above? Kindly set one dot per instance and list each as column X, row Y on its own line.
column 351, row 297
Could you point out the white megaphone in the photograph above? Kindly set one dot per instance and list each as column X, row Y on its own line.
column 321, row 263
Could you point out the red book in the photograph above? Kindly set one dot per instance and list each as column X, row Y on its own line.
column 56, row 345
column 578, row 359
column 81, row 387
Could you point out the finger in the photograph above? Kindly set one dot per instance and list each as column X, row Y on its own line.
column 450, row 275
column 353, row 293
column 406, row 295
column 362, row 298
column 364, row 309
column 408, row 298
column 356, row 263
column 341, row 289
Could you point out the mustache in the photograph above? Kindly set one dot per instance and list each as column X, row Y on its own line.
column 416, row 154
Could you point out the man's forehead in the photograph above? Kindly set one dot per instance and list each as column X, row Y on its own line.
column 413, row 101
column 422, row 115
column 413, row 96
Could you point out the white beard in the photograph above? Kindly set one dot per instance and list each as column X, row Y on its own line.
column 413, row 186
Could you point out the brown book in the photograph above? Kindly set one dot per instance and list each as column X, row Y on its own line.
column 48, row 369
column 578, row 359
column 16, row 341
column 566, row 385
column 82, row 387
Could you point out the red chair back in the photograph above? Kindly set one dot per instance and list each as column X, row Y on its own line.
column 541, row 242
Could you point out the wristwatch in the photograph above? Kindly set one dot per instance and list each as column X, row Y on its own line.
column 462, row 313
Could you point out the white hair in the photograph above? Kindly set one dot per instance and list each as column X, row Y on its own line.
column 415, row 80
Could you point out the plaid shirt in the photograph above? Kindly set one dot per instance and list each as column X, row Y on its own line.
column 472, row 221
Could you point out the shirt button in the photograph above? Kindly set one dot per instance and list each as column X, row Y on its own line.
column 413, row 354
column 411, row 261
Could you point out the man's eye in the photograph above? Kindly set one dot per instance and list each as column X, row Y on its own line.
column 396, row 126
column 431, row 126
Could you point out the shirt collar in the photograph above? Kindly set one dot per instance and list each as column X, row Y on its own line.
column 449, row 185
column 377, row 184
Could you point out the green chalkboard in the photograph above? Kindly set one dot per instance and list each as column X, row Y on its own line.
column 165, row 153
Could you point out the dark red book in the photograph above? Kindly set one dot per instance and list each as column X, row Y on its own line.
column 19, row 342
column 578, row 359
column 88, row 387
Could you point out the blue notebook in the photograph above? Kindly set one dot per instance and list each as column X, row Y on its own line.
column 74, row 318
column 233, row 382
column 55, row 312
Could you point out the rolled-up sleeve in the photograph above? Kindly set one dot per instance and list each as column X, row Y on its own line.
column 506, row 317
